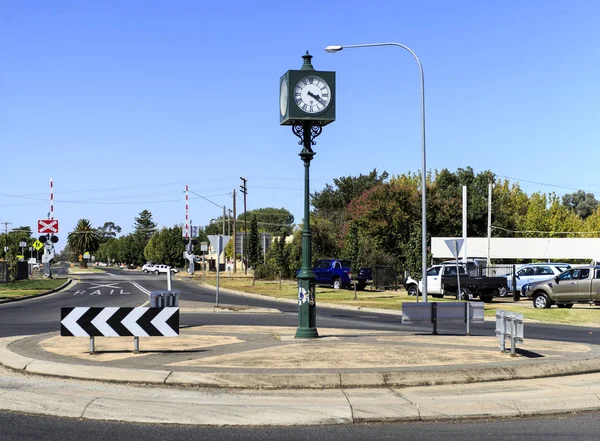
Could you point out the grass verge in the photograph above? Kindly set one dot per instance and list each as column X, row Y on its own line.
column 583, row 315
column 28, row 287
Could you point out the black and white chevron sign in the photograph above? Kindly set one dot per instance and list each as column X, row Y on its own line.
column 119, row 322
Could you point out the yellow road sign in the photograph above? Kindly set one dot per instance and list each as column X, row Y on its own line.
column 80, row 257
column 38, row 245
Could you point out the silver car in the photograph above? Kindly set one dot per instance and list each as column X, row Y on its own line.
column 536, row 272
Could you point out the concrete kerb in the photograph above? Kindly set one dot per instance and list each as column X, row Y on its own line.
column 33, row 296
column 387, row 379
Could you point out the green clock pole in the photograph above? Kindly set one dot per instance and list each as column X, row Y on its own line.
column 307, row 304
column 307, row 103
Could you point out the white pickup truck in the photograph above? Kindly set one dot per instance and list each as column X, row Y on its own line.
column 434, row 279
column 441, row 280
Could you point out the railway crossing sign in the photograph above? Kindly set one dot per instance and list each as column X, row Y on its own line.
column 48, row 226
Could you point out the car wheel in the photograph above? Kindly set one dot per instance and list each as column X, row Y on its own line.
column 463, row 294
column 337, row 283
column 145, row 270
column 412, row 290
column 156, row 272
column 541, row 301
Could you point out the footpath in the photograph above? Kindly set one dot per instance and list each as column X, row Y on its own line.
column 257, row 375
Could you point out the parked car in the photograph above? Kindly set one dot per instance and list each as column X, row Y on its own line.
column 442, row 280
column 575, row 285
column 535, row 272
column 158, row 269
column 336, row 272
column 148, row 267
column 434, row 275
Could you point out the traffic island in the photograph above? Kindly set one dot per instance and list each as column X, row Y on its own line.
column 270, row 357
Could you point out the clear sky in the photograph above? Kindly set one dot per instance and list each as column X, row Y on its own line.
column 123, row 103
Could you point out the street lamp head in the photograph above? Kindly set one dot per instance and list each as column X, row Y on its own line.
column 332, row 49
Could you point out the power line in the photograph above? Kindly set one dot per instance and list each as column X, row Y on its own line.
column 539, row 183
column 546, row 232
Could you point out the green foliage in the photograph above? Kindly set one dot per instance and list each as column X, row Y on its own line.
column 277, row 221
column 254, row 248
column 108, row 251
column 326, row 238
column 12, row 239
column 581, row 203
column 332, row 201
column 166, row 247
column 84, row 238
column 265, row 272
column 108, row 231
column 354, row 248
column 144, row 225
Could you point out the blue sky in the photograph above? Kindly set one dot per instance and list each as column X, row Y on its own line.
column 123, row 103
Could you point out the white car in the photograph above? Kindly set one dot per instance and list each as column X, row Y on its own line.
column 536, row 272
column 158, row 269
column 148, row 267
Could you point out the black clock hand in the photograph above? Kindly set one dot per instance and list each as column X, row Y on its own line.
column 317, row 97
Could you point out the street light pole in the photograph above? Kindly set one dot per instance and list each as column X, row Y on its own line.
column 332, row 49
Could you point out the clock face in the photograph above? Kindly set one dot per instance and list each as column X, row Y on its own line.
column 283, row 97
column 312, row 94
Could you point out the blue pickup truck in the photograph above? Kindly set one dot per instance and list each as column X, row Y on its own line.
column 337, row 273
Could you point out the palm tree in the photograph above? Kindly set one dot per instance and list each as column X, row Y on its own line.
column 84, row 238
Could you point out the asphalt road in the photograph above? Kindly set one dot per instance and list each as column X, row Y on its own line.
column 130, row 288
column 580, row 427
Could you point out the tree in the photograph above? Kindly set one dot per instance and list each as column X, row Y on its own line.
column 353, row 250
column 12, row 240
column 254, row 248
column 166, row 247
column 145, row 228
column 83, row 238
column 277, row 221
column 281, row 257
column 108, row 231
column 583, row 204
column 108, row 251
column 332, row 201
column 144, row 225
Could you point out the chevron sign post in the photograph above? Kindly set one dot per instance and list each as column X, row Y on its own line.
column 119, row 322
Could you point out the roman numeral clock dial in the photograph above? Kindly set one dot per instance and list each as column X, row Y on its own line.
column 312, row 94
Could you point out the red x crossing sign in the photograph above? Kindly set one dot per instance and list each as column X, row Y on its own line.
column 48, row 226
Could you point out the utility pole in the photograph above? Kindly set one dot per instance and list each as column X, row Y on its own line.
column 244, row 190
column 234, row 236
column 229, row 221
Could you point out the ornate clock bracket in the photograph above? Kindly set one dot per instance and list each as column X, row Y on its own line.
column 307, row 132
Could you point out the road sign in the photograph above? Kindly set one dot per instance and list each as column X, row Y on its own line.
column 454, row 245
column 119, row 322
column 38, row 245
column 86, row 255
column 48, row 226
